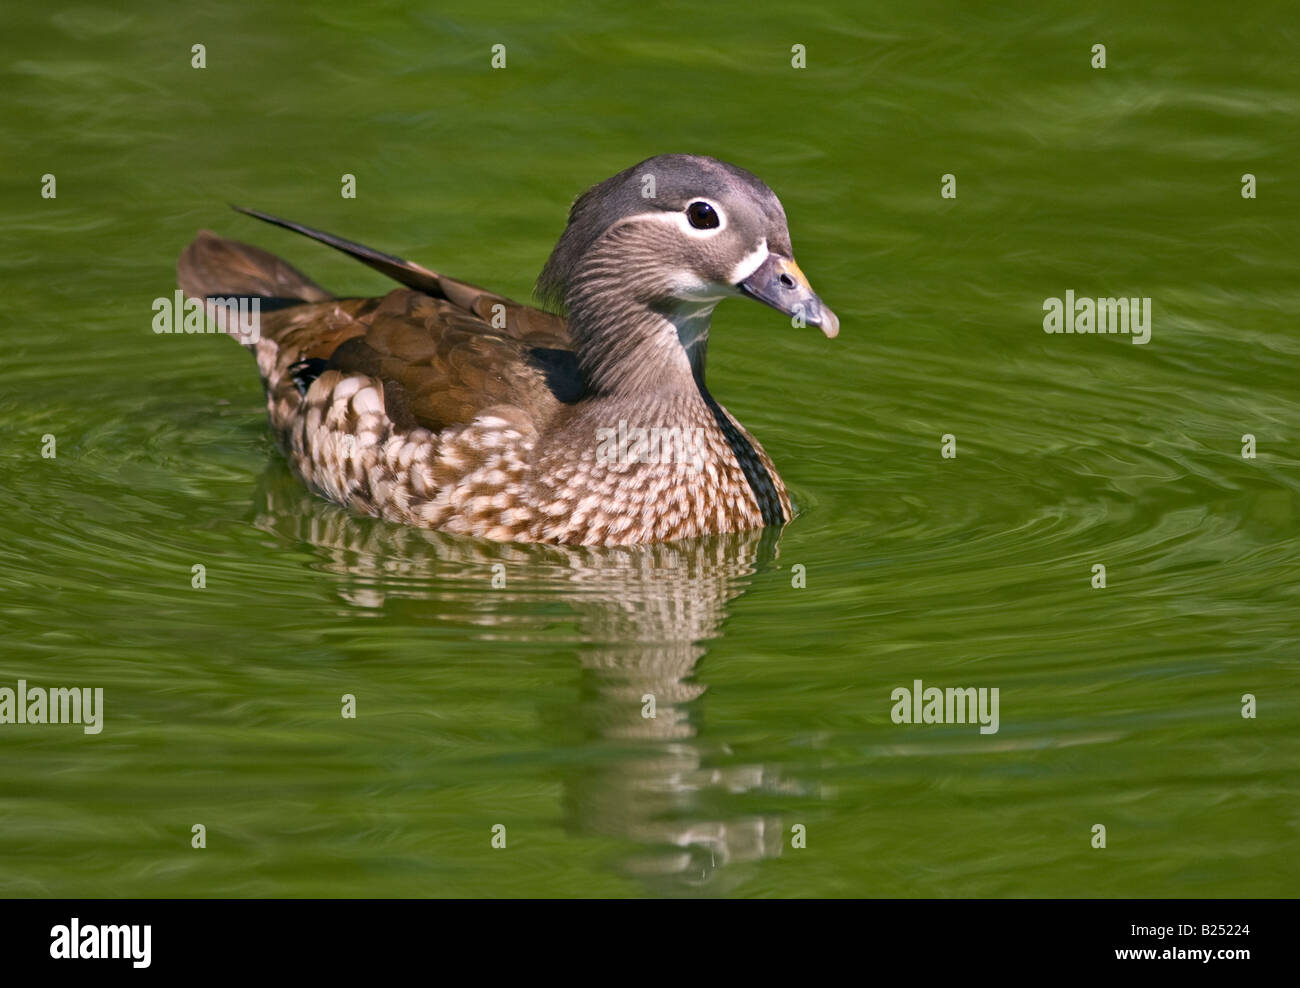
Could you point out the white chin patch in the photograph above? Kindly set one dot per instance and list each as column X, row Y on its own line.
column 749, row 263
column 689, row 287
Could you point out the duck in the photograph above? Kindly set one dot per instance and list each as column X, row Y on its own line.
column 581, row 420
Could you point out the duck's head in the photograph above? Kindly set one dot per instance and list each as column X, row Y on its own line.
column 675, row 235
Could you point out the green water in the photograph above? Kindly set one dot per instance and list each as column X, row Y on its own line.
column 521, row 706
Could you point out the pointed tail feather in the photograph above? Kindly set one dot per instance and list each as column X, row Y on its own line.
column 404, row 272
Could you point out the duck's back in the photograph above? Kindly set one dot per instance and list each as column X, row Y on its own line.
column 409, row 406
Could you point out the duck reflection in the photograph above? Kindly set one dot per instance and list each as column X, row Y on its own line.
column 644, row 615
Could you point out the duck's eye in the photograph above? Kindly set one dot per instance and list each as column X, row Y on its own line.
column 702, row 216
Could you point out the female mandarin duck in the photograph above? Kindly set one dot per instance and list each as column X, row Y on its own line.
column 445, row 406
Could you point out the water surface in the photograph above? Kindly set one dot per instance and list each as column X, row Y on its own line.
column 522, row 705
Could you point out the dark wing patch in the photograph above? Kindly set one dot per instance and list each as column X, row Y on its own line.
column 562, row 371
column 304, row 372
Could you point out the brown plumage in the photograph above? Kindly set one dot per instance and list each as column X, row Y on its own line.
column 447, row 406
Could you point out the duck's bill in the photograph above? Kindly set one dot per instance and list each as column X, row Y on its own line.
column 778, row 282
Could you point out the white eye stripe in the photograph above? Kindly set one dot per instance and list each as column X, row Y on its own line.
column 750, row 263
column 678, row 218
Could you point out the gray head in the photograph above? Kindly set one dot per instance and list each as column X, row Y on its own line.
column 675, row 235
